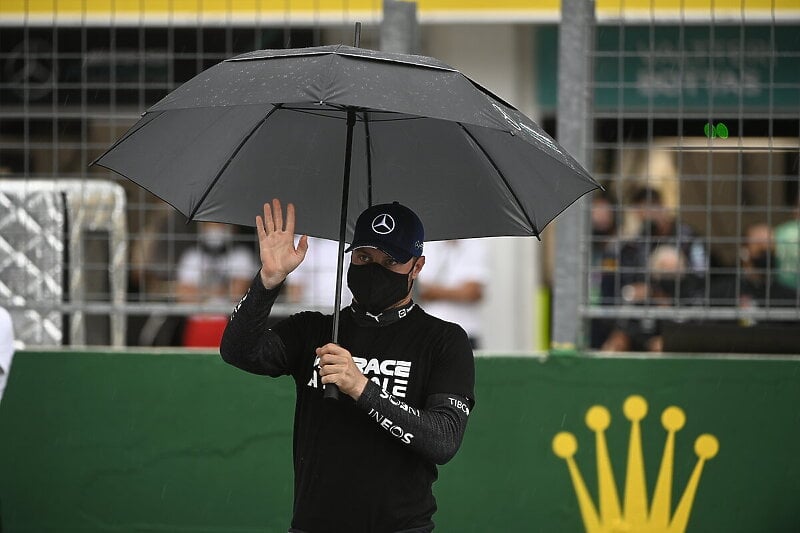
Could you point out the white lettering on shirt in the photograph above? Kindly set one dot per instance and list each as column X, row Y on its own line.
column 388, row 425
column 389, row 374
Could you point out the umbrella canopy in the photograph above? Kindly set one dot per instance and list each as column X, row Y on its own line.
column 273, row 124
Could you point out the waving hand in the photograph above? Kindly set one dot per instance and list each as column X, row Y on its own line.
column 276, row 244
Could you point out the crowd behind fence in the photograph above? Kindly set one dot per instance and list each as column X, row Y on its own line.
column 695, row 137
column 696, row 141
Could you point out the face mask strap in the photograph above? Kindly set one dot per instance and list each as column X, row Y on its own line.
column 411, row 280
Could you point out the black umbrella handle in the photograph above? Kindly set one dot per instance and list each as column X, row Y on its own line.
column 331, row 390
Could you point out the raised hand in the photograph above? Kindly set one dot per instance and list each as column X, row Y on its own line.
column 276, row 244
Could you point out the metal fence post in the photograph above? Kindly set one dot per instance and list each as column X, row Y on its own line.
column 399, row 27
column 575, row 43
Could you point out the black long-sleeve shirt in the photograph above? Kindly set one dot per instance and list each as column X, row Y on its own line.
column 365, row 466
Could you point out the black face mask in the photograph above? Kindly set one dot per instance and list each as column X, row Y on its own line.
column 763, row 261
column 376, row 288
column 668, row 287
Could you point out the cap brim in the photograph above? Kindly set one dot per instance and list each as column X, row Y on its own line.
column 401, row 256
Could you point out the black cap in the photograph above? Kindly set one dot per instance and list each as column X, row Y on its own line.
column 391, row 228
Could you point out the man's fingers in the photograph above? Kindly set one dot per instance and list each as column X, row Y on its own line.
column 269, row 224
column 260, row 227
column 330, row 348
column 302, row 246
column 277, row 214
column 331, row 359
column 290, row 218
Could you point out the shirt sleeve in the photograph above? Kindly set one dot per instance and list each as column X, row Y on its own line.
column 434, row 432
column 453, row 367
column 247, row 342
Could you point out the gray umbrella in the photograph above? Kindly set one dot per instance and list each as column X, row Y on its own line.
column 316, row 126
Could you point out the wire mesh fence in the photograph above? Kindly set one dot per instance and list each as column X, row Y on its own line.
column 695, row 127
column 66, row 94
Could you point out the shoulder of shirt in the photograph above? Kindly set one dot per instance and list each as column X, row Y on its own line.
column 305, row 321
column 311, row 316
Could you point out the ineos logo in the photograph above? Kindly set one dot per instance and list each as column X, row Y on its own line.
column 383, row 224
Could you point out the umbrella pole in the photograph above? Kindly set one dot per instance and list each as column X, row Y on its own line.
column 331, row 390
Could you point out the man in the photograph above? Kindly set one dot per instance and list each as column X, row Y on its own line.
column 6, row 354
column 668, row 285
column 454, row 282
column 787, row 250
column 756, row 284
column 217, row 270
column 367, row 462
column 659, row 227
column 6, row 348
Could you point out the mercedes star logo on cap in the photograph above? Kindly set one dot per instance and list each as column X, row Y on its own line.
column 383, row 224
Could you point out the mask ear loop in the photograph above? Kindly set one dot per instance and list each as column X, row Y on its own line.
column 411, row 280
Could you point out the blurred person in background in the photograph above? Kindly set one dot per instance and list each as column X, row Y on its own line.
column 453, row 284
column 6, row 348
column 6, row 354
column 668, row 285
column 756, row 284
column 313, row 283
column 605, row 252
column 787, row 249
column 216, row 271
column 659, row 227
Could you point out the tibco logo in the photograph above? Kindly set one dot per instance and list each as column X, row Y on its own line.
column 458, row 404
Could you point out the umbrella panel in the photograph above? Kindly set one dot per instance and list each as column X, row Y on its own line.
column 432, row 166
column 223, row 163
column 333, row 79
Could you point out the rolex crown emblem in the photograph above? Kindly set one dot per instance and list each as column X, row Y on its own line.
column 635, row 514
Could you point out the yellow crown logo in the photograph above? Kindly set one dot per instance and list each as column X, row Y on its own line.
column 634, row 516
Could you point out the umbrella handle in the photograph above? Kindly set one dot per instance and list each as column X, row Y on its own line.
column 331, row 391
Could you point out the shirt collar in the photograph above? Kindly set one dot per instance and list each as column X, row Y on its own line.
column 390, row 316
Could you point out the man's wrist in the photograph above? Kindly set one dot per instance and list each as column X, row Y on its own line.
column 270, row 282
column 359, row 388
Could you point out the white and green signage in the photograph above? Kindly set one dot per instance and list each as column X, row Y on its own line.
column 695, row 67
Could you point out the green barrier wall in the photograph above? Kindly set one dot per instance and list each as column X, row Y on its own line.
column 181, row 442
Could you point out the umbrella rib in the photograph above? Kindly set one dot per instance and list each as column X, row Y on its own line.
column 396, row 119
column 314, row 112
column 230, row 159
column 318, row 113
column 502, row 177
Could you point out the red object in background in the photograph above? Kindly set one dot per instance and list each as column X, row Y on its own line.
column 204, row 331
